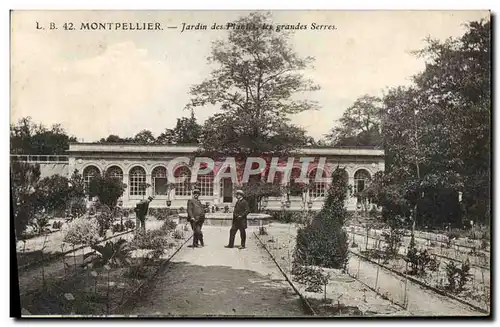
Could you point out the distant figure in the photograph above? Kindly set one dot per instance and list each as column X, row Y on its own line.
column 196, row 217
column 141, row 210
column 240, row 213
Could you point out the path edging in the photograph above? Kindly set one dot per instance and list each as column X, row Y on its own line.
column 306, row 303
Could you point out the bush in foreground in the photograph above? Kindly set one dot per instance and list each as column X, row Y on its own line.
column 324, row 242
column 82, row 231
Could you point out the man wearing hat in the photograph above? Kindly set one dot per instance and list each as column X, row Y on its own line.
column 196, row 217
column 141, row 210
column 240, row 213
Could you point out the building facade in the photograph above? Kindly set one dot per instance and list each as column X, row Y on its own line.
column 142, row 165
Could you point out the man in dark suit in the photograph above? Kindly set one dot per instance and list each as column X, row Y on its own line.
column 196, row 217
column 240, row 213
column 141, row 211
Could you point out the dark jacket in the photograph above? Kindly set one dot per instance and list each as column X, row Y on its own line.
column 195, row 210
column 240, row 213
column 141, row 209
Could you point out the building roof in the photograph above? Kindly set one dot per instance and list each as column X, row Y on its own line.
column 179, row 149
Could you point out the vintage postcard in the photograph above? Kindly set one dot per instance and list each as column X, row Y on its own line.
column 251, row 163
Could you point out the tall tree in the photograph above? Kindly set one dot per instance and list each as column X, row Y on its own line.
column 27, row 137
column 457, row 85
column 144, row 137
column 436, row 132
column 23, row 177
column 186, row 131
column 255, row 81
column 360, row 124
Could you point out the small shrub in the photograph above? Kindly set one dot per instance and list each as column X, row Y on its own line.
column 314, row 278
column 82, row 231
column 137, row 271
column 158, row 252
column 151, row 240
column 160, row 213
column 453, row 234
column 484, row 244
column 118, row 228
column 457, row 276
column 129, row 224
column 169, row 224
column 393, row 240
column 40, row 223
column 262, row 230
column 114, row 253
column 104, row 217
column 178, row 234
column 434, row 264
column 418, row 261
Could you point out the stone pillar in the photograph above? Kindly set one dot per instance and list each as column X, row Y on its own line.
column 149, row 190
column 125, row 196
column 216, row 196
column 71, row 166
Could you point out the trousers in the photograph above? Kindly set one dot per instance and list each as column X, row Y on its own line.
column 197, row 233
column 232, row 235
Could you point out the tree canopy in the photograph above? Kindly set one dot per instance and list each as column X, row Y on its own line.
column 29, row 138
column 436, row 132
column 256, row 77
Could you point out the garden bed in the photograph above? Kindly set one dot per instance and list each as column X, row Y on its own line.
column 477, row 289
column 345, row 296
column 88, row 290
column 29, row 252
column 480, row 259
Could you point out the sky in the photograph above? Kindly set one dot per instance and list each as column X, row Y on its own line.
column 96, row 83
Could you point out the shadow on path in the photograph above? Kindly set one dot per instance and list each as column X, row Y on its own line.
column 185, row 289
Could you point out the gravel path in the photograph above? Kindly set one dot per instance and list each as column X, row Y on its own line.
column 215, row 281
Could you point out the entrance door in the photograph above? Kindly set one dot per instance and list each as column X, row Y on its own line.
column 227, row 190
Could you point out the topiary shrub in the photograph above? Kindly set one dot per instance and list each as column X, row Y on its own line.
column 323, row 242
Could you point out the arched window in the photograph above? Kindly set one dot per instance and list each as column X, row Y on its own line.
column 88, row 173
column 206, row 184
column 295, row 189
column 318, row 189
column 182, row 187
column 159, row 181
column 115, row 172
column 361, row 179
column 137, row 181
